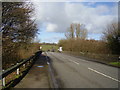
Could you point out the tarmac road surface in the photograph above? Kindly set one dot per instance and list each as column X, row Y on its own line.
column 37, row 77
column 74, row 72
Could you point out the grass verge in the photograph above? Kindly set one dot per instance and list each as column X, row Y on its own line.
column 111, row 60
column 49, row 47
column 115, row 63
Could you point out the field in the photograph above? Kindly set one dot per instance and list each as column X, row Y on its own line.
column 49, row 47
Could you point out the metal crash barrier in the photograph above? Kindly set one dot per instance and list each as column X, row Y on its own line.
column 16, row 68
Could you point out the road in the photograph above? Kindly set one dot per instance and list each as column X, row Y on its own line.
column 74, row 72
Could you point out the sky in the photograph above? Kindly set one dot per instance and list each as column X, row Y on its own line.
column 53, row 18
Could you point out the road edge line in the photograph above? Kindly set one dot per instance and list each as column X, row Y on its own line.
column 103, row 74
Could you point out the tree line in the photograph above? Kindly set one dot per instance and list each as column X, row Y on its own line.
column 76, row 40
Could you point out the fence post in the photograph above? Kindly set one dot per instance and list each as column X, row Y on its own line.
column 3, row 81
column 18, row 70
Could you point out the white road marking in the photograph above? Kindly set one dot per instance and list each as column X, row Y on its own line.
column 75, row 58
column 71, row 60
column 47, row 58
column 103, row 74
column 74, row 62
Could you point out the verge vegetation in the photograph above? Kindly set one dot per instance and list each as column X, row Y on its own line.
column 49, row 47
column 106, row 50
column 18, row 30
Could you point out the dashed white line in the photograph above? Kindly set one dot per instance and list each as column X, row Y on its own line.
column 74, row 62
column 71, row 60
column 103, row 74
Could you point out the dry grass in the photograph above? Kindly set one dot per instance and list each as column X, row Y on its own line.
column 22, row 52
column 105, row 58
column 92, row 49
column 80, row 45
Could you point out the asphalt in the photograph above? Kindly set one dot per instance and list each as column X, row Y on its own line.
column 73, row 72
column 37, row 77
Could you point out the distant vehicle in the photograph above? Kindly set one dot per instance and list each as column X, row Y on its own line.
column 52, row 50
column 48, row 50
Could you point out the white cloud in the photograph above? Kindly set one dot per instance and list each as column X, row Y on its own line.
column 59, row 16
column 102, row 9
column 51, row 27
column 52, row 38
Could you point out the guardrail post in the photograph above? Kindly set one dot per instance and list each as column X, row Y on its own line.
column 3, row 81
column 24, row 65
column 18, row 70
column 29, row 61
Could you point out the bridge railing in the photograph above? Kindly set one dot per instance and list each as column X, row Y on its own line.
column 16, row 67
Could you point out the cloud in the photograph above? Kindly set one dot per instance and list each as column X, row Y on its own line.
column 51, row 37
column 51, row 27
column 57, row 17
column 72, row 0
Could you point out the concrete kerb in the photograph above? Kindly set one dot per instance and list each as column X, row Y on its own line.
column 53, row 82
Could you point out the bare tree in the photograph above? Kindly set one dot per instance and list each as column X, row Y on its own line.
column 111, row 36
column 76, row 31
column 70, row 32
